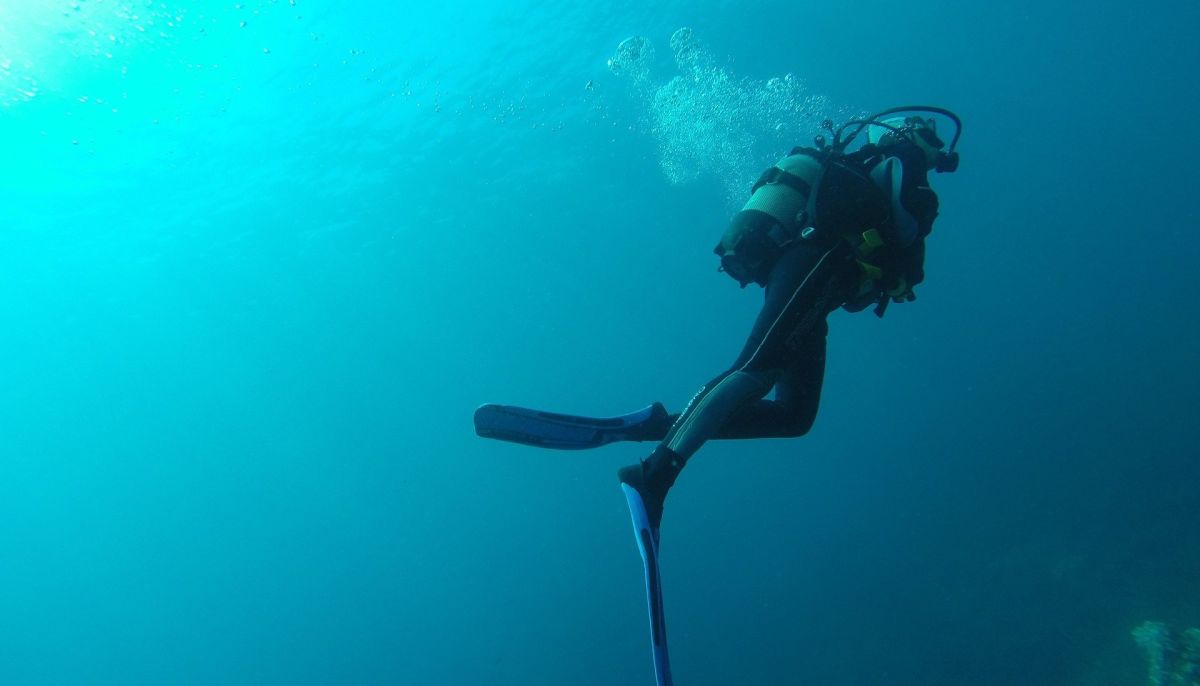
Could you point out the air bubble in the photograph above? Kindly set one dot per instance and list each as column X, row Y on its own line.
column 708, row 120
column 634, row 58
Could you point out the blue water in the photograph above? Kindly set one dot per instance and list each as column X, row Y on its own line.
column 255, row 278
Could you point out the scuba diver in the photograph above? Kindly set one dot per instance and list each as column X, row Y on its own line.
column 823, row 228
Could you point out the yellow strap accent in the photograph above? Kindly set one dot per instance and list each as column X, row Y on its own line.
column 871, row 241
column 870, row 271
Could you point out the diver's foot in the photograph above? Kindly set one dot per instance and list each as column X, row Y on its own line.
column 654, row 427
column 652, row 478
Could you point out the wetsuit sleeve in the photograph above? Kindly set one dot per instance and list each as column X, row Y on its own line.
column 915, row 194
column 902, row 264
column 914, row 270
column 922, row 202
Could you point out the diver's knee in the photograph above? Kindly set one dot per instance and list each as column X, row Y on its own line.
column 800, row 424
column 803, row 426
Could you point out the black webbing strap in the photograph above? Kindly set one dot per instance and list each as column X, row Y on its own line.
column 777, row 175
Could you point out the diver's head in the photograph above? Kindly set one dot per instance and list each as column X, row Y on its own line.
column 920, row 131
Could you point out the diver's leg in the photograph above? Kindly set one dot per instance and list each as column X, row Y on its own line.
column 797, row 395
column 789, row 415
column 787, row 344
column 803, row 289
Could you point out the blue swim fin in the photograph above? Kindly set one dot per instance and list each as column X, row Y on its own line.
column 569, row 432
column 647, row 542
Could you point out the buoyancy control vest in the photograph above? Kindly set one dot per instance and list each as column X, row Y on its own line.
column 877, row 199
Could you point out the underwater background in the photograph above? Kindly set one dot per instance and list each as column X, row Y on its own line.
column 260, row 261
